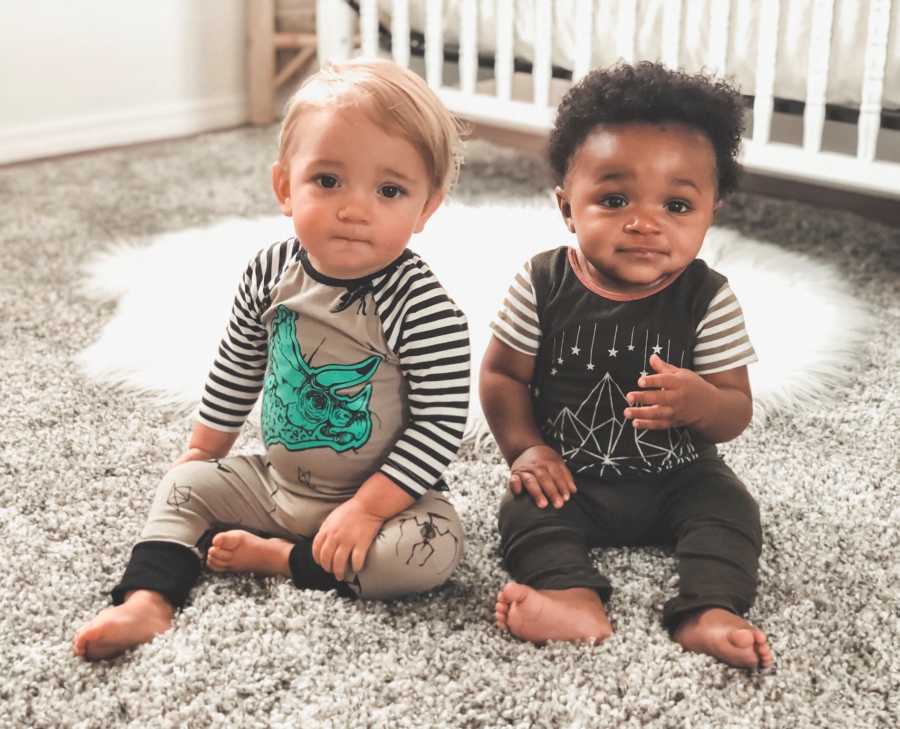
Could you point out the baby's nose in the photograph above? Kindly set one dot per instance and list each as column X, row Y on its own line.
column 353, row 210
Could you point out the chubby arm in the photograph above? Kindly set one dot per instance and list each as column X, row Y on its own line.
column 718, row 406
column 534, row 466
column 503, row 387
column 731, row 406
column 207, row 443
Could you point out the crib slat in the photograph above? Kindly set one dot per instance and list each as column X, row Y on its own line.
column 468, row 52
column 400, row 32
column 626, row 32
column 543, row 45
column 503, row 61
column 584, row 27
column 434, row 43
column 873, row 79
column 719, row 25
column 368, row 25
column 334, row 29
column 767, row 39
column 671, row 33
column 817, row 74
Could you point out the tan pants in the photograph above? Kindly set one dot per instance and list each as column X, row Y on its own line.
column 416, row 550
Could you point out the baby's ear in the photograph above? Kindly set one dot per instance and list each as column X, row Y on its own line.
column 434, row 202
column 281, row 185
column 565, row 208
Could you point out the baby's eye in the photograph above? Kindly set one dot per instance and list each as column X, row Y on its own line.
column 391, row 191
column 677, row 206
column 614, row 201
column 327, row 181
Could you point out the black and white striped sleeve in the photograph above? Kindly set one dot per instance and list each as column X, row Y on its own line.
column 430, row 336
column 236, row 378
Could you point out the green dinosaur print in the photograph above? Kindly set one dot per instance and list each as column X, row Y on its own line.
column 302, row 407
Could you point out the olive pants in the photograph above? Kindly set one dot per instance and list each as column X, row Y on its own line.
column 414, row 551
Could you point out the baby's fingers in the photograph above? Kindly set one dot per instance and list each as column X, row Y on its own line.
column 564, row 481
column 515, row 484
column 533, row 487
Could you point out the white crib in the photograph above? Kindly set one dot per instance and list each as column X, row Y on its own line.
column 740, row 38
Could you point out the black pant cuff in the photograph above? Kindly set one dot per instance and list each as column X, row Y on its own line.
column 165, row 567
column 307, row 574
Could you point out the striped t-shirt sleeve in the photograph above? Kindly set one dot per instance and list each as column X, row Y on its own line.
column 722, row 342
column 431, row 339
column 516, row 323
column 236, row 378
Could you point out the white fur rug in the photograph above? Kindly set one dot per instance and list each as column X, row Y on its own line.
column 175, row 292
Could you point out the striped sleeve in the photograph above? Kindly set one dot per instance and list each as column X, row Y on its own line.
column 722, row 342
column 516, row 323
column 431, row 339
column 236, row 378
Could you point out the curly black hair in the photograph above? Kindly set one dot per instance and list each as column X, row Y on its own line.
column 651, row 93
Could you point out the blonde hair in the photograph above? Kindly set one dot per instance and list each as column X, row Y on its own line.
column 395, row 99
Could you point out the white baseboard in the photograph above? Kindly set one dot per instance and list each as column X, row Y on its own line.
column 114, row 129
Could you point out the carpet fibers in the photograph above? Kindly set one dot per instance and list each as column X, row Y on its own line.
column 79, row 463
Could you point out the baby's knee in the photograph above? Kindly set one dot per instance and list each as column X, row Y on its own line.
column 190, row 476
column 415, row 551
column 517, row 516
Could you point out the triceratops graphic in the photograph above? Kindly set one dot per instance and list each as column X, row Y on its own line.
column 301, row 404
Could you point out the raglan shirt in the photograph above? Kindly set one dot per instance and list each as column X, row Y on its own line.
column 357, row 376
column 591, row 347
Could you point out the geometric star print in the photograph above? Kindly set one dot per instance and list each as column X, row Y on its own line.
column 178, row 496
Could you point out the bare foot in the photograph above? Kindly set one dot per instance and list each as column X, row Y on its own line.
column 726, row 636
column 144, row 615
column 542, row 615
column 240, row 551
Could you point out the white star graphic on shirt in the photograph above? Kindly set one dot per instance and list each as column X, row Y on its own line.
column 644, row 373
column 630, row 347
column 613, row 352
column 553, row 371
column 657, row 349
column 559, row 360
column 576, row 350
column 590, row 365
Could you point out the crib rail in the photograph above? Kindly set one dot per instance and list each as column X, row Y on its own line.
column 808, row 162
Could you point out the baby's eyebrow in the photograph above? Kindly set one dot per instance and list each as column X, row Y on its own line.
column 321, row 162
column 685, row 182
column 615, row 175
column 391, row 172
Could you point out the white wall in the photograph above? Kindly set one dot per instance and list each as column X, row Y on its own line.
column 77, row 75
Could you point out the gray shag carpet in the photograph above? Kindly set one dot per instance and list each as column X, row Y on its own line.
column 79, row 464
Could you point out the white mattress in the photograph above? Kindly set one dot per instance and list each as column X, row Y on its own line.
column 849, row 30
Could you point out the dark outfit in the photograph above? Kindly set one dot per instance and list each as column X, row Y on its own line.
column 667, row 487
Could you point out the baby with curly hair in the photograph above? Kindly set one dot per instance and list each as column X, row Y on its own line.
column 615, row 366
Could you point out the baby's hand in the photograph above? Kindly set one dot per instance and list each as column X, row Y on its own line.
column 541, row 471
column 194, row 454
column 345, row 536
column 677, row 397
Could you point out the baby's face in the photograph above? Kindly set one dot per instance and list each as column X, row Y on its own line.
column 639, row 198
column 356, row 194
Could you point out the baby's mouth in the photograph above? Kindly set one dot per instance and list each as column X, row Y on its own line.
column 641, row 252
